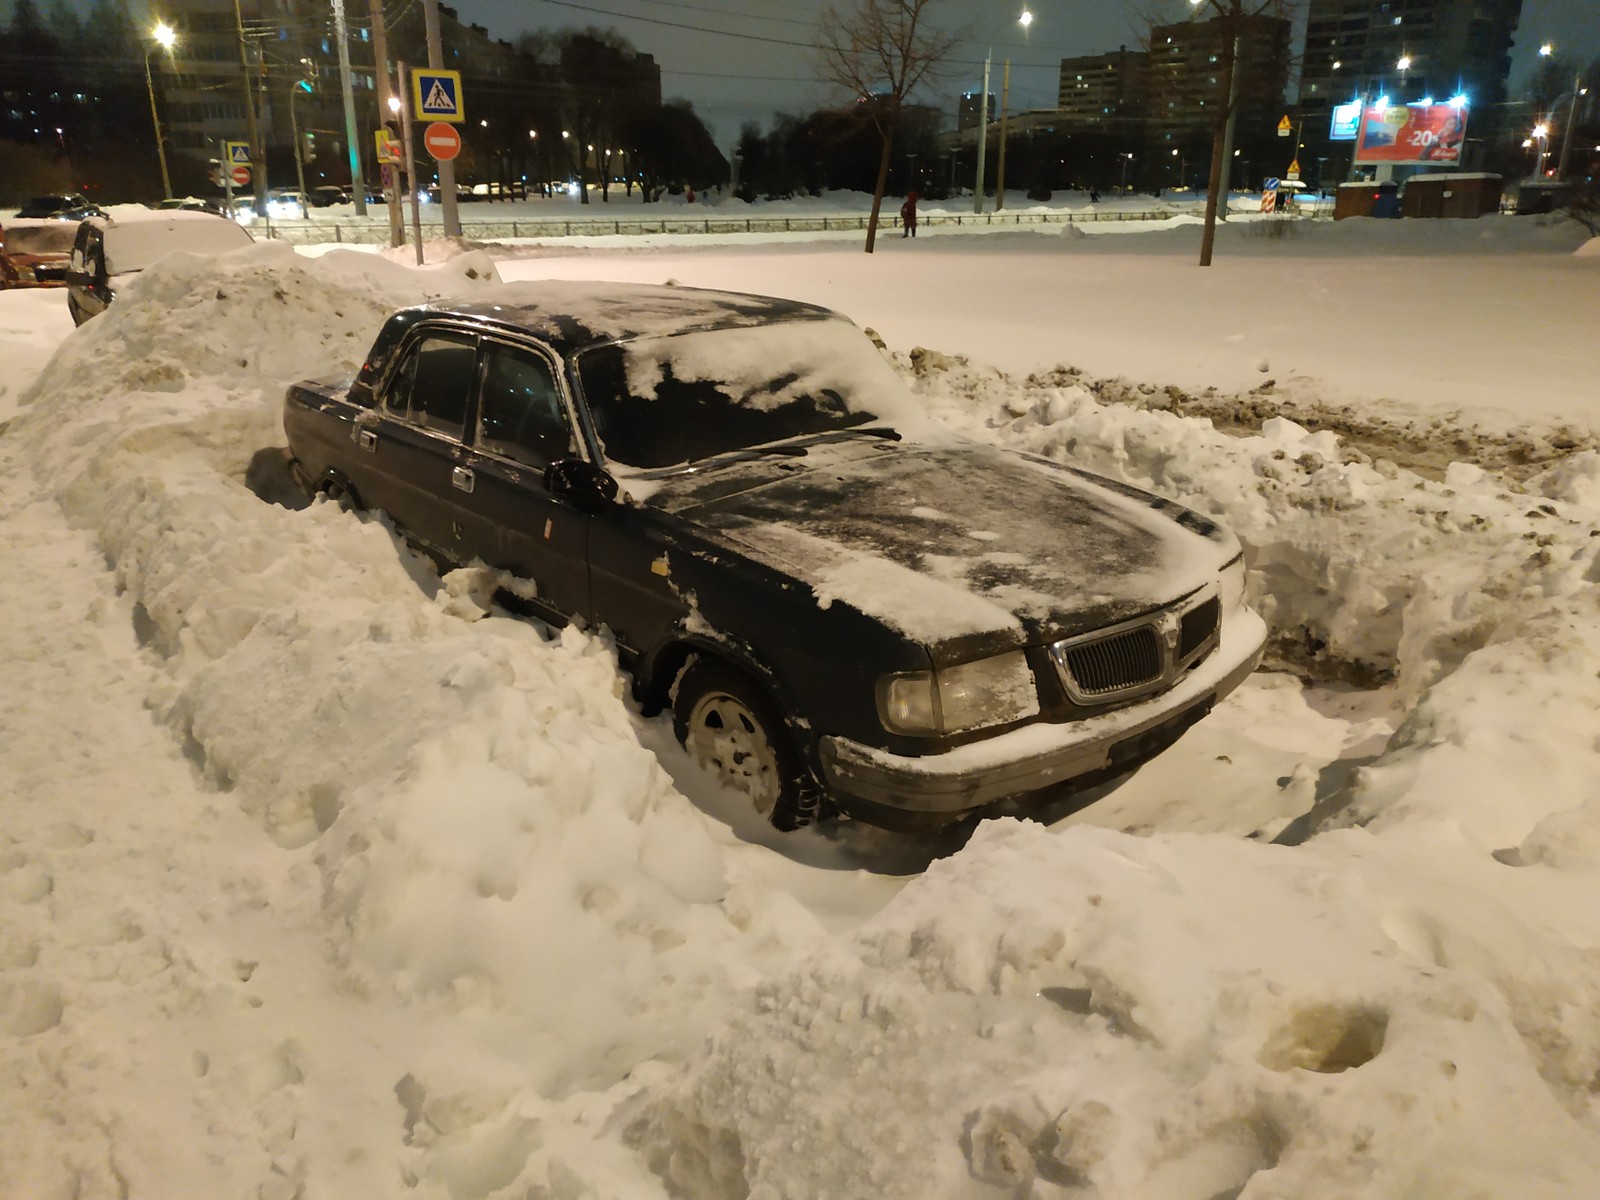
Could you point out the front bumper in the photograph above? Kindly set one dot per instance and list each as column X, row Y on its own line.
column 1041, row 756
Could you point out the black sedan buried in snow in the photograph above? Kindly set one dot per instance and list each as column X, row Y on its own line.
column 845, row 605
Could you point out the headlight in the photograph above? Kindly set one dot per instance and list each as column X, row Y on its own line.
column 992, row 691
column 1231, row 588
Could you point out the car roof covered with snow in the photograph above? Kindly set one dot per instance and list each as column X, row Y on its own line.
column 136, row 237
column 573, row 315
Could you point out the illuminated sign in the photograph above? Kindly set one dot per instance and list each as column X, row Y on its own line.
column 1412, row 133
column 1346, row 121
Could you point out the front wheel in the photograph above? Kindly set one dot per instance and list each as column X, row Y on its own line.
column 733, row 731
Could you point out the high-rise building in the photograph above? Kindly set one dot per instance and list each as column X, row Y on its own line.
column 1407, row 49
column 1101, row 88
column 1184, row 73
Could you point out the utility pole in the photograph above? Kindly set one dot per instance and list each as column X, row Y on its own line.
column 983, row 135
column 258, row 157
column 410, row 159
column 1000, row 163
column 447, row 168
column 387, row 103
column 1572, row 119
column 352, row 135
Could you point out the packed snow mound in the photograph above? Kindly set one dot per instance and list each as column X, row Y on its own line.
column 567, row 981
column 1589, row 249
column 1110, row 1016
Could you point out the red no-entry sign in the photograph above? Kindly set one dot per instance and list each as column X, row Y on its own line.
column 442, row 141
column 241, row 175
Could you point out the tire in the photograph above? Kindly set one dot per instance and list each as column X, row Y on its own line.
column 340, row 495
column 735, row 733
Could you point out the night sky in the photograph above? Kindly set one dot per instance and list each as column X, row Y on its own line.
column 743, row 60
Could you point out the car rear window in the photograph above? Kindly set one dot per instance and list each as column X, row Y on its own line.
column 55, row 238
column 662, row 402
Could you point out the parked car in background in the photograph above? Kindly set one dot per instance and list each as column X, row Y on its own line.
column 327, row 195
column 107, row 252
column 284, row 204
column 217, row 207
column 34, row 253
column 244, row 209
column 61, row 205
column 844, row 605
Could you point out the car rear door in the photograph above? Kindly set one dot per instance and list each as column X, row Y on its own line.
column 410, row 447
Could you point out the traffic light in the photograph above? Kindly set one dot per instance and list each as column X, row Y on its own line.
column 309, row 153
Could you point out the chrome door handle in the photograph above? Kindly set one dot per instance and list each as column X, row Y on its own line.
column 461, row 478
column 367, row 439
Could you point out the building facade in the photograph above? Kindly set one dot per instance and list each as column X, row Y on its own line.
column 1408, row 49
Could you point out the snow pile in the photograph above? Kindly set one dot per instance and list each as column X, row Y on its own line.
column 1110, row 1016
column 440, row 925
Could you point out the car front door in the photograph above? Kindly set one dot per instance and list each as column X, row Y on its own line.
column 521, row 425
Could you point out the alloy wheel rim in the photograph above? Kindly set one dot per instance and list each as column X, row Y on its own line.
column 726, row 739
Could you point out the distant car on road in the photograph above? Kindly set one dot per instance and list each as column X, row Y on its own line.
column 327, row 195
column 106, row 252
column 845, row 606
column 193, row 204
column 61, row 205
column 34, row 253
column 286, row 204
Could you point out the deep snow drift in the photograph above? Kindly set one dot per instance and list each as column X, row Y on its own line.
column 324, row 878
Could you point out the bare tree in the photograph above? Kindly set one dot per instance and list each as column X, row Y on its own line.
column 1233, row 18
column 879, row 52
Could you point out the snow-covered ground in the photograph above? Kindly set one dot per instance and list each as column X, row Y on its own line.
column 323, row 878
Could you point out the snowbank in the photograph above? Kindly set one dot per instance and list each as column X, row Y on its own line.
column 406, row 907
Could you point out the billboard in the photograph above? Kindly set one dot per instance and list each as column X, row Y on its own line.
column 1412, row 133
column 1346, row 120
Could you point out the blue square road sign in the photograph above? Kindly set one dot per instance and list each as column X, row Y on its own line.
column 436, row 95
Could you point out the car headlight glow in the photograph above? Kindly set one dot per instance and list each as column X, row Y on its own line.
column 991, row 691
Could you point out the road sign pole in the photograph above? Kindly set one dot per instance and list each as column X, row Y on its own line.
column 447, row 168
column 258, row 157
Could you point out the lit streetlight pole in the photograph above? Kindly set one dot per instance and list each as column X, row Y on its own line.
column 163, row 36
column 1545, row 51
column 1025, row 20
column 300, row 85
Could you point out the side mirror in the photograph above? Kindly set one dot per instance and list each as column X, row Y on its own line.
column 583, row 483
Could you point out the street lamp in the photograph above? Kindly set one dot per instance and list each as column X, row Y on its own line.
column 300, row 85
column 164, row 36
column 1545, row 51
column 1025, row 20
column 1541, row 134
column 1126, row 159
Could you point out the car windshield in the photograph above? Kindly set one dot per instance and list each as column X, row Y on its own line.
column 668, row 401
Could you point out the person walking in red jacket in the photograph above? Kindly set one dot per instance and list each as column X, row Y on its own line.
column 908, row 215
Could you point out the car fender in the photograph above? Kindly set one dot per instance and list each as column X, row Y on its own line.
column 658, row 669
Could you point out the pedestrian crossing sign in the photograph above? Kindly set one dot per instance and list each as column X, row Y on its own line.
column 436, row 95
column 238, row 153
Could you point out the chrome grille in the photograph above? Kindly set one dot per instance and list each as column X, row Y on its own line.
column 1112, row 664
column 1140, row 657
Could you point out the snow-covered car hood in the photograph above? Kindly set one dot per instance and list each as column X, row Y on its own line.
column 944, row 542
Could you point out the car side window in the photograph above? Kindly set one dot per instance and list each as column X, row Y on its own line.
column 433, row 383
column 520, row 414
